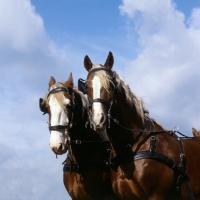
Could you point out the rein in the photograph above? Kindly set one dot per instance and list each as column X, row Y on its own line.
column 145, row 131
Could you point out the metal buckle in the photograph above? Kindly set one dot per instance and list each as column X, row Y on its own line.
column 176, row 129
column 77, row 141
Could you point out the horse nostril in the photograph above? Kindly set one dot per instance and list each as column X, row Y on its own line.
column 102, row 118
column 60, row 147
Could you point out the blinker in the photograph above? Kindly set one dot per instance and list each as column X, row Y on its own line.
column 82, row 86
column 42, row 106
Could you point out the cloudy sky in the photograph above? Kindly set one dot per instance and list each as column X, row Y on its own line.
column 156, row 47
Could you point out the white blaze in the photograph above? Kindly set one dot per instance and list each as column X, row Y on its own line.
column 58, row 117
column 96, row 85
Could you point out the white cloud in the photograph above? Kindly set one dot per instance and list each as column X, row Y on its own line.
column 166, row 70
column 28, row 57
column 165, row 73
column 194, row 19
column 25, row 47
column 21, row 27
column 32, row 175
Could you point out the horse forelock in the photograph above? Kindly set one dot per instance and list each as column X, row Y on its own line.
column 58, row 96
column 105, row 78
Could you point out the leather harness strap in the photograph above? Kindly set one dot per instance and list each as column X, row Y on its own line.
column 56, row 90
column 58, row 127
column 100, row 69
column 85, row 166
column 123, row 158
column 148, row 155
column 99, row 100
column 78, row 168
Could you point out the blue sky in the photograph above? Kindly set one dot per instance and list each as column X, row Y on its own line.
column 156, row 50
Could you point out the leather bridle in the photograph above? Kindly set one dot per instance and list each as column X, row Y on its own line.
column 112, row 74
column 71, row 92
column 108, row 103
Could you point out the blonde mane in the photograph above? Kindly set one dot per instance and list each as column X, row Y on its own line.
column 131, row 99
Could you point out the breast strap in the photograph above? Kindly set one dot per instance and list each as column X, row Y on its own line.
column 128, row 156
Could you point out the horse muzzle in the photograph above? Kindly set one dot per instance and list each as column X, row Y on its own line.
column 100, row 124
column 59, row 150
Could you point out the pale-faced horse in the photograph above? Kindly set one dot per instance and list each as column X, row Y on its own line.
column 149, row 162
column 86, row 175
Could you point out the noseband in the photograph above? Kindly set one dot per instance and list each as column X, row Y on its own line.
column 70, row 91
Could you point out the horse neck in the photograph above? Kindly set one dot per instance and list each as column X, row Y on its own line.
column 88, row 151
column 130, row 116
column 80, row 113
column 129, row 113
column 118, row 133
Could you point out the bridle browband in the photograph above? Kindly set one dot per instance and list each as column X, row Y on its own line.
column 99, row 69
column 59, row 89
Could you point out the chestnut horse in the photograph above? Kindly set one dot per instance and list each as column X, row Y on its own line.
column 86, row 175
column 149, row 162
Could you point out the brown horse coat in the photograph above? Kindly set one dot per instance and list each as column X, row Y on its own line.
column 92, row 181
column 144, row 178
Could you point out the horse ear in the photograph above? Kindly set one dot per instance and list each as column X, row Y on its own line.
column 194, row 131
column 52, row 81
column 87, row 63
column 69, row 82
column 109, row 61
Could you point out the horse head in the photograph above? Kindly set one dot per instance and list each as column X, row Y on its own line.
column 58, row 103
column 99, row 86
